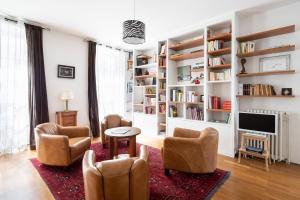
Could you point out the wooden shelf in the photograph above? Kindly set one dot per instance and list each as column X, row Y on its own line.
column 281, row 72
column 143, row 56
column 138, row 104
column 186, row 56
column 161, row 113
column 162, row 78
column 162, row 67
column 150, row 94
column 150, row 106
column 219, row 110
column 149, row 65
column 144, row 76
column 162, row 55
column 266, row 34
column 223, row 66
column 187, row 44
column 220, row 81
column 222, row 36
column 267, row 51
column 264, row 96
column 176, row 102
column 161, row 102
column 220, row 52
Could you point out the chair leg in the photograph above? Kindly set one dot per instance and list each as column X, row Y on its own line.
column 167, row 172
column 267, row 163
column 239, row 159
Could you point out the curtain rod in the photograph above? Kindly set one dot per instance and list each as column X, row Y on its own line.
column 16, row 20
column 109, row 46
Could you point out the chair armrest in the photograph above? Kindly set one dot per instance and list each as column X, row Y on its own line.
column 186, row 133
column 54, row 149
column 125, row 122
column 74, row 131
column 144, row 153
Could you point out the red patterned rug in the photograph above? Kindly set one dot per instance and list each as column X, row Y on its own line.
column 67, row 184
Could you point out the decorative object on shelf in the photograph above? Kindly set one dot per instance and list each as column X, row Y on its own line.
column 243, row 62
column 133, row 30
column 146, row 72
column 64, row 71
column 196, row 80
column 184, row 73
column 67, row 96
column 142, row 59
column 286, row 91
column 274, row 63
column 163, row 49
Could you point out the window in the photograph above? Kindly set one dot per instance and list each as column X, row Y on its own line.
column 14, row 114
column 110, row 78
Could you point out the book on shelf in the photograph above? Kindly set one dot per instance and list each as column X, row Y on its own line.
column 192, row 96
column 162, row 85
column 173, row 111
column 195, row 113
column 162, row 108
column 150, row 101
column 214, row 102
column 226, row 105
column 150, row 110
column 220, row 76
column 246, row 47
column 150, row 90
column 162, row 62
column 215, row 45
column 256, row 90
column 216, row 61
column 162, row 97
column 176, row 95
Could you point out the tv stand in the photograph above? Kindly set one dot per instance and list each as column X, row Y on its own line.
column 254, row 140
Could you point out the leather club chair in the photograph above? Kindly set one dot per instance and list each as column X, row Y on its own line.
column 119, row 179
column 112, row 121
column 61, row 146
column 191, row 151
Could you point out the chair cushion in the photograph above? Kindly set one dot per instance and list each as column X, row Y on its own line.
column 78, row 146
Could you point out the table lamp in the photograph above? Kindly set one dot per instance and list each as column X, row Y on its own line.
column 66, row 96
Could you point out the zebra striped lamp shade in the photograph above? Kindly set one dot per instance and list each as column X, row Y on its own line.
column 133, row 32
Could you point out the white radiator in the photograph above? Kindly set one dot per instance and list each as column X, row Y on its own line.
column 279, row 144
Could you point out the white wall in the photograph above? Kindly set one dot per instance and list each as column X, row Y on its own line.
column 60, row 48
column 263, row 21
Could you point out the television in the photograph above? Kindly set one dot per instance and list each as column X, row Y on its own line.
column 260, row 123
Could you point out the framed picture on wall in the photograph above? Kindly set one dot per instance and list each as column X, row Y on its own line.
column 64, row 71
column 274, row 63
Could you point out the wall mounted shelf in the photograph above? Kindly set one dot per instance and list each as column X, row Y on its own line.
column 187, row 56
column 222, row 36
column 281, row 72
column 266, row 34
column 223, row 66
column 267, row 51
column 262, row 96
column 220, row 52
column 219, row 110
column 187, row 44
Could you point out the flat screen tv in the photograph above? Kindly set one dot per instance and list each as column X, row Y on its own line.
column 260, row 123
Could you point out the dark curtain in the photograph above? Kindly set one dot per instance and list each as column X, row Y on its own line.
column 92, row 91
column 38, row 103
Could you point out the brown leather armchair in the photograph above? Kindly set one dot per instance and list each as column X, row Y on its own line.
column 120, row 179
column 191, row 151
column 112, row 121
column 61, row 146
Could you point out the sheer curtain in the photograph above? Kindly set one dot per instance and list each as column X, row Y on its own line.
column 110, row 80
column 14, row 114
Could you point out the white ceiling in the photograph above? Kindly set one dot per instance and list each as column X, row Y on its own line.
column 102, row 19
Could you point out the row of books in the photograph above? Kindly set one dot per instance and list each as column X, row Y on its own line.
column 150, row 101
column 173, row 111
column 150, row 110
column 256, row 89
column 214, row 102
column 195, row 113
column 162, row 97
column 162, row 108
column 162, row 62
column 215, row 45
column 192, row 96
column 176, row 95
column 216, row 61
column 220, row 75
column 247, row 47
column 150, row 91
column 162, row 85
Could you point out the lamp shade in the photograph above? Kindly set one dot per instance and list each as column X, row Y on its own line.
column 133, row 32
column 67, row 95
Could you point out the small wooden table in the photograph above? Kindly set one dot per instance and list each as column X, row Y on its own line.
column 114, row 134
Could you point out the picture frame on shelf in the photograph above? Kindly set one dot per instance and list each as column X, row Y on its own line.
column 286, row 91
column 64, row 71
column 184, row 73
column 274, row 63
